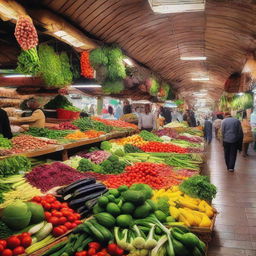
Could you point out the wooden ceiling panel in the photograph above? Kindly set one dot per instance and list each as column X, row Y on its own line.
column 224, row 33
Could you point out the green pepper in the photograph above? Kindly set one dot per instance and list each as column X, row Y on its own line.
column 179, row 248
column 188, row 239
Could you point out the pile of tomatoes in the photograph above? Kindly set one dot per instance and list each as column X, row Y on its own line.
column 59, row 214
column 155, row 175
column 95, row 249
column 154, row 146
column 15, row 245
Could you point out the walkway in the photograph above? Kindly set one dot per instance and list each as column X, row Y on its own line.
column 235, row 229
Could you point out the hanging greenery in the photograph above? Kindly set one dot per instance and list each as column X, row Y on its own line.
column 55, row 68
column 154, row 88
column 242, row 102
column 66, row 69
column 163, row 91
column 28, row 62
column 224, row 103
column 113, row 86
column 98, row 57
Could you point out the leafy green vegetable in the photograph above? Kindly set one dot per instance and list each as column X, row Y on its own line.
column 113, row 86
column 14, row 165
column 154, row 87
column 48, row 133
column 146, row 189
column 5, row 232
column 148, row 136
column 53, row 66
column 129, row 148
column 85, row 165
column 66, row 68
column 72, row 108
column 59, row 101
column 112, row 165
column 87, row 123
column 4, row 142
column 98, row 57
column 200, row 187
column 105, row 145
column 28, row 62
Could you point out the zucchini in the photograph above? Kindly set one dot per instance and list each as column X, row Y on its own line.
column 105, row 219
column 55, row 248
column 95, row 232
column 78, row 202
column 76, row 185
column 104, row 231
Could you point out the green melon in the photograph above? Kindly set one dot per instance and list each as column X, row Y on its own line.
column 17, row 223
column 37, row 212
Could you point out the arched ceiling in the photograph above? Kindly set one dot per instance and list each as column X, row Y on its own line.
column 225, row 32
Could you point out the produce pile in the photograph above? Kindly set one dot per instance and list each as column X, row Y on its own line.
column 86, row 123
column 134, row 224
column 24, row 142
column 5, row 143
column 115, row 123
column 66, row 126
column 59, row 101
column 47, row 133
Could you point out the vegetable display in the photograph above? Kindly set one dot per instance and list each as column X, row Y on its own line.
column 47, row 133
column 25, row 33
column 200, row 187
column 5, row 143
column 87, row 123
column 14, row 165
column 59, row 101
column 162, row 147
column 97, row 156
column 49, row 176
column 28, row 62
column 86, row 68
column 148, row 136
column 23, row 143
column 115, row 123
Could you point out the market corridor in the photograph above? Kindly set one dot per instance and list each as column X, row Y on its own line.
column 235, row 229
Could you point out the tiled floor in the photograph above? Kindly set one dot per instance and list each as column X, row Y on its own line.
column 235, row 229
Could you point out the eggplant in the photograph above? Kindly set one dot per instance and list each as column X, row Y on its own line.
column 76, row 185
column 85, row 191
column 81, row 209
column 89, row 204
column 76, row 203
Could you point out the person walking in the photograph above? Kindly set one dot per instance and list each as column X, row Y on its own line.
column 208, row 130
column 248, row 137
column 217, row 125
column 232, row 134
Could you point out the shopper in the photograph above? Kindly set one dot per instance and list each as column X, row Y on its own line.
column 167, row 114
column 37, row 119
column 127, row 109
column 217, row 125
column 5, row 128
column 248, row 137
column 147, row 121
column 189, row 116
column 208, row 130
column 118, row 111
column 232, row 134
column 137, row 112
column 110, row 114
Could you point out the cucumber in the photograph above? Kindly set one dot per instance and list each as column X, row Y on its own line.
column 55, row 248
column 105, row 219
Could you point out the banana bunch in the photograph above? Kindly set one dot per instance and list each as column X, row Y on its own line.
column 192, row 212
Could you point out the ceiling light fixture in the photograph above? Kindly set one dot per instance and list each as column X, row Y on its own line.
column 200, row 79
column 194, row 58
column 16, row 75
column 174, row 6
column 63, row 35
column 128, row 61
column 86, row 86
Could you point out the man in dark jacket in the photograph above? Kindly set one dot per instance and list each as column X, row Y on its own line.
column 208, row 130
column 5, row 128
column 232, row 134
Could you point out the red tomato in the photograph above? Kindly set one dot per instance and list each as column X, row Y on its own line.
column 64, row 205
column 56, row 205
column 47, row 215
column 62, row 220
column 1, row 248
column 101, row 254
column 7, row 252
column 37, row 199
column 71, row 218
column 64, row 228
column 46, row 206
column 74, row 225
column 18, row 250
column 82, row 253
column 78, row 222
column 68, row 225
column 54, row 221
column 57, row 214
column 65, row 212
column 26, row 241
column 91, row 252
column 13, row 242
column 94, row 245
column 77, row 216
column 3, row 243
column 57, row 231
